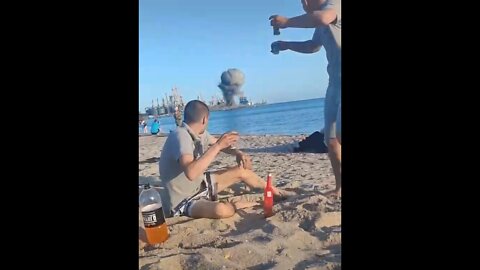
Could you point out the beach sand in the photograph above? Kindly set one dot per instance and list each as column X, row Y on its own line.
column 305, row 231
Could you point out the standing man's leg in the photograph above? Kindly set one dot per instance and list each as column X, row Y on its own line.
column 335, row 155
column 332, row 105
column 339, row 123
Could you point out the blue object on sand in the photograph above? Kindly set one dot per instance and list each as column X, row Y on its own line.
column 155, row 128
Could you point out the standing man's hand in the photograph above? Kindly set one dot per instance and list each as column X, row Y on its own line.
column 280, row 45
column 278, row 21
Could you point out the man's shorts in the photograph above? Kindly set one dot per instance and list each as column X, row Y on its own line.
column 208, row 191
column 332, row 111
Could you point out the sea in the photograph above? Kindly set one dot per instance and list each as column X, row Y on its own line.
column 286, row 118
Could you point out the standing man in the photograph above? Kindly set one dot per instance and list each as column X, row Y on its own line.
column 325, row 16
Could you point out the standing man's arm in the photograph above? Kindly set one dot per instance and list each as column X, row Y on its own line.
column 317, row 18
column 308, row 46
column 328, row 15
column 309, row 20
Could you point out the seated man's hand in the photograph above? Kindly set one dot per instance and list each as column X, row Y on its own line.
column 244, row 160
column 227, row 140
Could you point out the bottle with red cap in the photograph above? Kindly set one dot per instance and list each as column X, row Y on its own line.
column 268, row 198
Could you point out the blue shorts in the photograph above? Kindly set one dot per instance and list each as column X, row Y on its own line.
column 332, row 111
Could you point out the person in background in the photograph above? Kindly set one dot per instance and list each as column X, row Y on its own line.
column 178, row 116
column 155, row 129
column 144, row 126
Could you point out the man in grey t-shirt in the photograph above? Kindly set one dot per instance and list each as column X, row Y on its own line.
column 187, row 153
column 326, row 17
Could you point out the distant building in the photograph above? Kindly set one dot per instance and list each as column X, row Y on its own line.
column 244, row 101
column 168, row 104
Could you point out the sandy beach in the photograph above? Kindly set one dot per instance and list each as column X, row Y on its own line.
column 305, row 231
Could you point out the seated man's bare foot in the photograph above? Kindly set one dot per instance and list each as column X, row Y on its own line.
column 281, row 194
column 241, row 203
column 337, row 194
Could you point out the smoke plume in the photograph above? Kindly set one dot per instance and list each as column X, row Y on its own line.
column 232, row 81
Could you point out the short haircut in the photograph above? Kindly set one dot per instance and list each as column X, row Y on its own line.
column 195, row 111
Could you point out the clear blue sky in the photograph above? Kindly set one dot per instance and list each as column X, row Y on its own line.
column 190, row 43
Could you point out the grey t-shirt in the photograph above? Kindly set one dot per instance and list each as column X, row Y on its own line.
column 330, row 37
column 177, row 187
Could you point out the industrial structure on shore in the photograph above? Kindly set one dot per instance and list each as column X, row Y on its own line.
column 175, row 100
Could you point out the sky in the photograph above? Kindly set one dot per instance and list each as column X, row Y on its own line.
column 188, row 44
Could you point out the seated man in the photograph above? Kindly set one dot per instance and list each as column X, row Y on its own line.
column 189, row 189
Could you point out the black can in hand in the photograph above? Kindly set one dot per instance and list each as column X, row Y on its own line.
column 274, row 48
column 276, row 31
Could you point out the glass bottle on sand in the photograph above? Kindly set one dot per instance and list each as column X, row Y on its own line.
column 268, row 198
column 153, row 217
